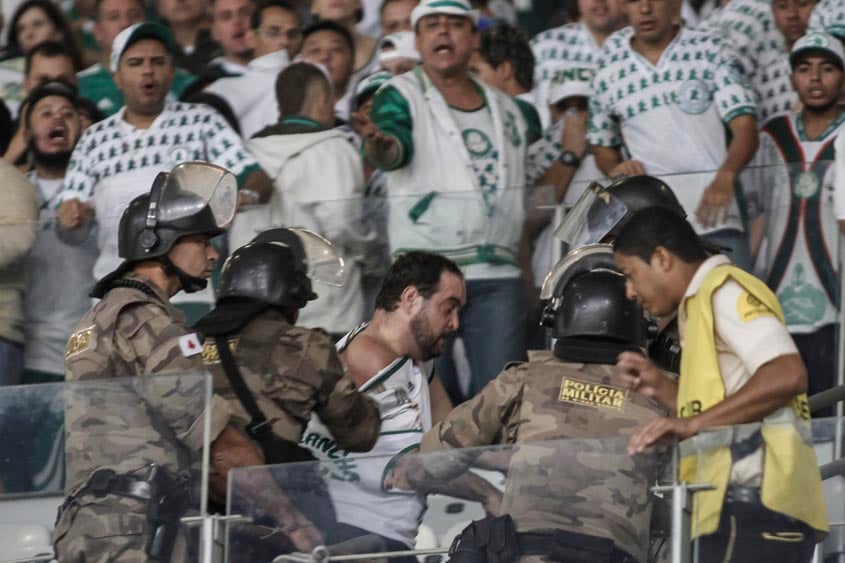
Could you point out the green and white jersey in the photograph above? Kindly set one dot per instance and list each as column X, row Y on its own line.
column 97, row 84
column 671, row 116
column 361, row 495
column 559, row 52
column 747, row 26
column 114, row 162
column 797, row 194
column 829, row 16
column 775, row 96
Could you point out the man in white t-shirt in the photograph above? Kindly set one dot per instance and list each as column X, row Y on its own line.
column 574, row 45
column 416, row 311
column 667, row 94
column 118, row 158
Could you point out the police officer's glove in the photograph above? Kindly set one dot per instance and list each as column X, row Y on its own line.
column 491, row 540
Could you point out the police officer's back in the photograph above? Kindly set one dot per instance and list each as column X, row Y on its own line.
column 589, row 500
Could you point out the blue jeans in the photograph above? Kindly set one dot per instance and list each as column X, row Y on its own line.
column 493, row 332
column 11, row 362
column 737, row 245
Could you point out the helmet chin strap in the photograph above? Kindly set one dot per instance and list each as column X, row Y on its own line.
column 189, row 283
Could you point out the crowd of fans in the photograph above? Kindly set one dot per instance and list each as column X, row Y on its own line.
column 385, row 131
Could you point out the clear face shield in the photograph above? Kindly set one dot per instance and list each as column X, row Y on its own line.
column 324, row 264
column 593, row 216
column 584, row 257
column 192, row 186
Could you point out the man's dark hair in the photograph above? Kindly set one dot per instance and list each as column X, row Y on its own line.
column 501, row 43
column 419, row 269
column 328, row 25
column 258, row 13
column 48, row 49
column 657, row 226
column 297, row 84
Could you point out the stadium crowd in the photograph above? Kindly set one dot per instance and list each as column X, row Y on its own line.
column 322, row 113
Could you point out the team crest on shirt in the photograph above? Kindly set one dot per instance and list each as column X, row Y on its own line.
column 477, row 143
column 806, row 186
column 694, row 96
column 179, row 154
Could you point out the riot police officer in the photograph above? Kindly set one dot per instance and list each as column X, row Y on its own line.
column 571, row 392
column 130, row 445
column 598, row 216
column 276, row 374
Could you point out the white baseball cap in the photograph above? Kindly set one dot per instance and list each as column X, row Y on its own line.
column 137, row 32
column 401, row 46
column 448, row 7
column 569, row 82
column 819, row 42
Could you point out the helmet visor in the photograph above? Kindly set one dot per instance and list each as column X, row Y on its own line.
column 324, row 264
column 563, row 266
column 593, row 216
column 193, row 186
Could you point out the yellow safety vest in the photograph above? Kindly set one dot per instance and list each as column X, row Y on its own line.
column 791, row 482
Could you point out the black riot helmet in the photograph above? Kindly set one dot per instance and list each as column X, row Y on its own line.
column 588, row 312
column 277, row 268
column 600, row 212
column 193, row 198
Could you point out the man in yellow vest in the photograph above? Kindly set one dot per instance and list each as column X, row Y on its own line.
column 739, row 366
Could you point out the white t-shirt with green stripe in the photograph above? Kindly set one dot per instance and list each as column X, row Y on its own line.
column 671, row 116
column 357, row 487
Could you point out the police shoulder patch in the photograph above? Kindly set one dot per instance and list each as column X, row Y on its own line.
column 749, row 307
column 80, row 341
column 593, row 394
column 210, row 354
column 190, row 345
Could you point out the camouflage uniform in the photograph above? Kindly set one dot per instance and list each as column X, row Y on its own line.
column 127, row 425
column 588, row 484
column 292, row 372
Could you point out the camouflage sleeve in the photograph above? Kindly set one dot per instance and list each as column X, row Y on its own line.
column 351, row 416
column 152, row 336
column 312, row 380
column 488, row 418
column 306, row 374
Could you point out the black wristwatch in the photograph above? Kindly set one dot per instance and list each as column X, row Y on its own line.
column 568, row 158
